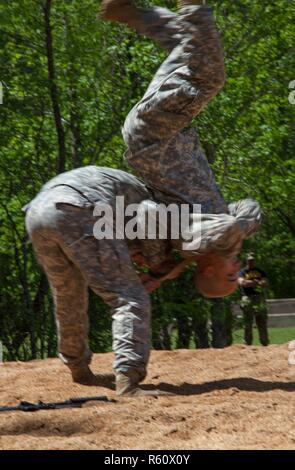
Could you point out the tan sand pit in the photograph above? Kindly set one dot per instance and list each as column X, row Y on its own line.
column 236, row 398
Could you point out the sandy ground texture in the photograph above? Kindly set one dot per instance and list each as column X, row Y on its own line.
column 235, row 398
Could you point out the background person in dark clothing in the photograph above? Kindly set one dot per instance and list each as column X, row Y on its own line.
column 253, row 282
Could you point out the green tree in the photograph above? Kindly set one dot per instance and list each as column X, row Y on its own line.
column 68, row 81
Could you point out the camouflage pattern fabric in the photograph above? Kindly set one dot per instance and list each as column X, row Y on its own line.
column 73, row 260
column 167, row 157
column 94, row 185
column 173, row 165
column 224, row 233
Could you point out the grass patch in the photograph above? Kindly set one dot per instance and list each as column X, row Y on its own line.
column 276, row 335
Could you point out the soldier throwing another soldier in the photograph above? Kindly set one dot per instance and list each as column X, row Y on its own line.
column 173, row 166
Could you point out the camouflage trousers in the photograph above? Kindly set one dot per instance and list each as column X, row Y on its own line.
column 191, row 75
column 73, row 260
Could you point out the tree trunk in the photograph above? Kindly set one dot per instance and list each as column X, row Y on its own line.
column 54, row 93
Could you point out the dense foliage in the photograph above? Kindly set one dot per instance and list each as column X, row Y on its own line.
column 68, row 80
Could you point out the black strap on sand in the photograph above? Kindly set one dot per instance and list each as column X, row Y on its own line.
column 71, row 403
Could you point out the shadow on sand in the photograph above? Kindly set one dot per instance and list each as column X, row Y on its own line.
column 240, row 383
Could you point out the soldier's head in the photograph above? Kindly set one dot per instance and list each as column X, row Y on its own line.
column 250, row 261
column 216, row 275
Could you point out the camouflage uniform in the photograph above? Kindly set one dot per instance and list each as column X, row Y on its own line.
column 167, row 157
column 60, row 224
column 173, row 165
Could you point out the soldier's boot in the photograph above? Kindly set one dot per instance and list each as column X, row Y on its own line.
column 122, row 11
column 83, row 375
column 127, row 384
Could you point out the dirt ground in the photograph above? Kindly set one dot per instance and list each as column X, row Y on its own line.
column 235, row 398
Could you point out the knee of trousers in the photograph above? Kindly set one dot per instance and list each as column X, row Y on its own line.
column 135, row 131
